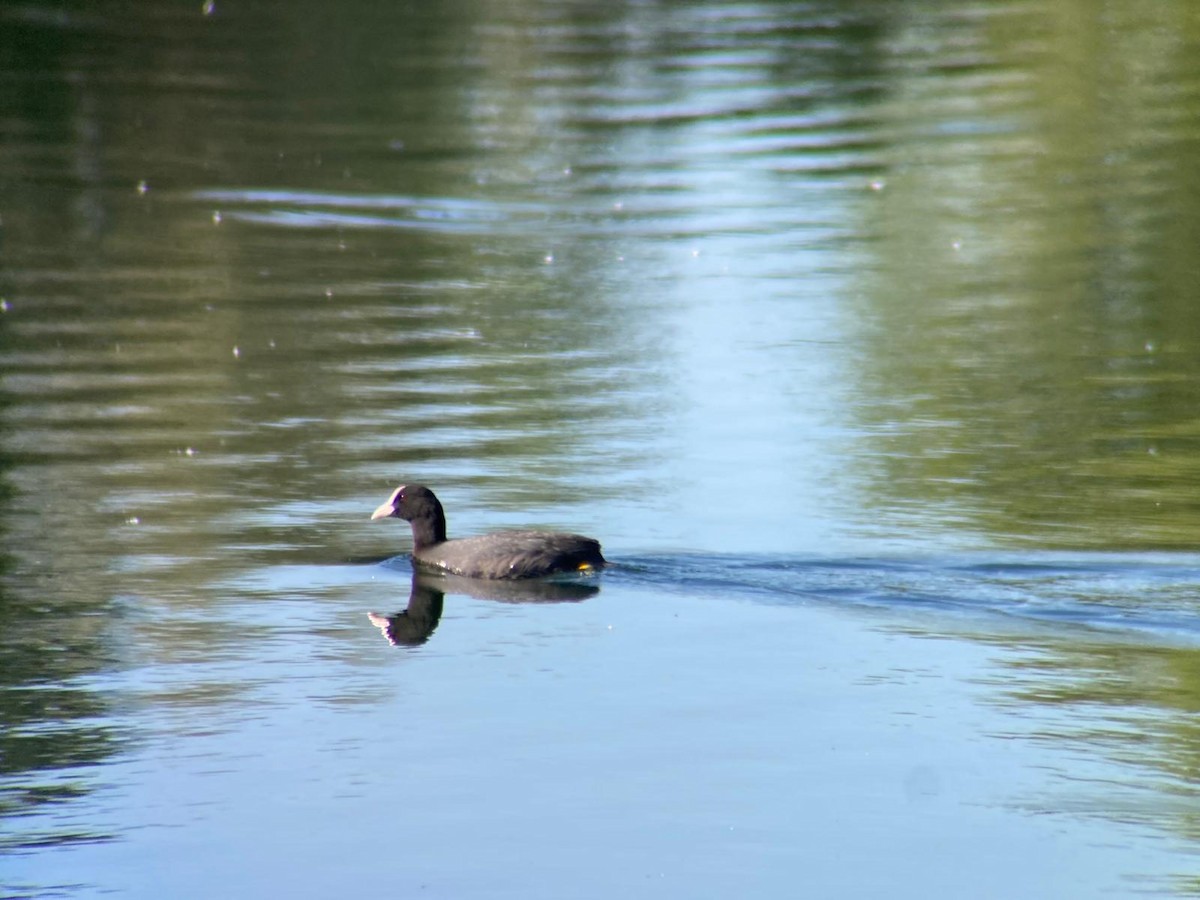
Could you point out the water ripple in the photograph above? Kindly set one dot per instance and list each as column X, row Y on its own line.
column 1152, row 595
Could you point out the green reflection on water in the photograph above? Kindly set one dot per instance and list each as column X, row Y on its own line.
column 1031, row 342
column 1132, row 704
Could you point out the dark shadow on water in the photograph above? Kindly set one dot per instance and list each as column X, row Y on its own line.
column 414, row 625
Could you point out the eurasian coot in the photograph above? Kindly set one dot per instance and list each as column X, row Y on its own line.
column 507, row 554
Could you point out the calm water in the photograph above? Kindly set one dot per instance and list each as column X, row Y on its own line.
column 865, row 336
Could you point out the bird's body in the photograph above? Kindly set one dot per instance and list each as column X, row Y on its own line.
column 504, row 555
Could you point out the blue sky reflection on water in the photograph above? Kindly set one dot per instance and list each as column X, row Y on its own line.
column 402, row 766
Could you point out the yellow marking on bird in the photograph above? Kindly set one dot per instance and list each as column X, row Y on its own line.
column 584, row 566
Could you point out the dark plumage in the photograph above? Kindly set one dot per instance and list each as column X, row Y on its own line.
column 506, row 554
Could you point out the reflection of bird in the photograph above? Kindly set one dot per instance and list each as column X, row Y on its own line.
column 506, row 554
column 524, row 590
column 414, row 625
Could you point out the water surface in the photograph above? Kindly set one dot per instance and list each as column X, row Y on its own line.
column 862, row 335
